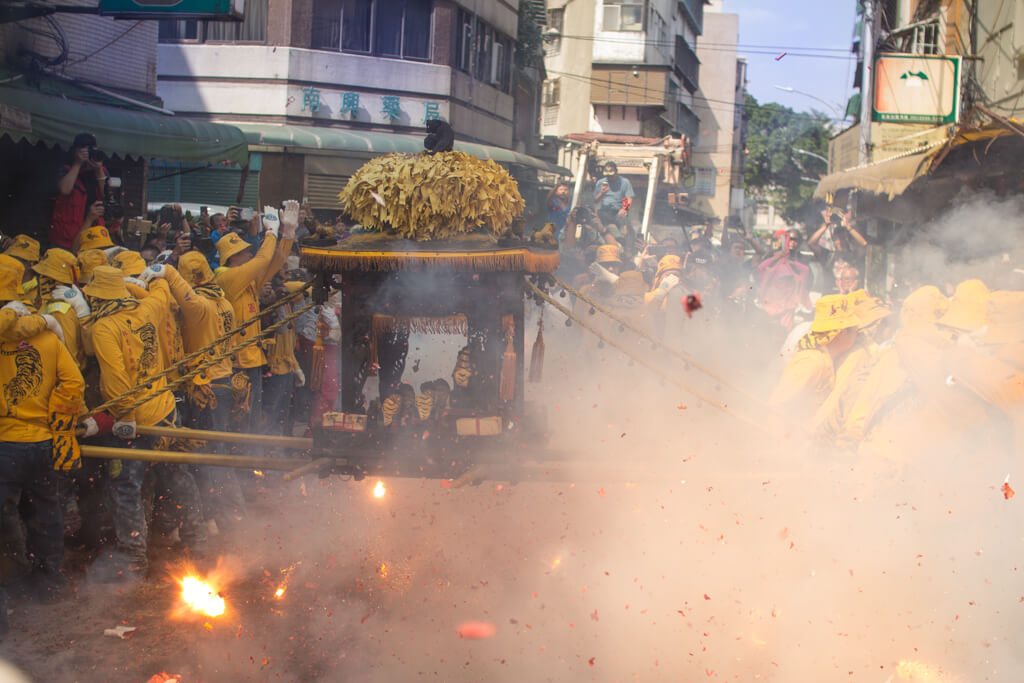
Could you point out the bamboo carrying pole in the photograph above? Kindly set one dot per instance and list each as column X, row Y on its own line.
column 305, row 469
column 289, row 442
column 243, row 461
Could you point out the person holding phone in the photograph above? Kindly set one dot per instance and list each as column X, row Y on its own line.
column 80, row 193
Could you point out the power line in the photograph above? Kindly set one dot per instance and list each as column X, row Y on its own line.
column 774, row 51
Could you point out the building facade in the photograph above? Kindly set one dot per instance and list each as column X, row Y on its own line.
column 622, row 67
column 379, row 69
column 717, row 148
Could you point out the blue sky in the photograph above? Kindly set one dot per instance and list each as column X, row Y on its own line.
column 797, row 23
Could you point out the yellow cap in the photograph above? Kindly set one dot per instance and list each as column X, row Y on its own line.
column 967, row 311
column 1005, row 318
column 88, row 259
column 867, row 308
column 194, row 268
column 668, row 263
column 106, row 282
column 832, row 313
column 607, row 253
column 95, row 237
column 24, row 248
column 292, row 286
column 60, row 265
column 10, row 284
column 131, row 263
column 924, row 306
column 14, row 264
column 229, row 245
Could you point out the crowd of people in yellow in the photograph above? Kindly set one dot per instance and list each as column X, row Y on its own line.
column 865, row 377
column 96, row 327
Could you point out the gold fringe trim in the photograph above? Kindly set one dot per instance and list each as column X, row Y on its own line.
column 505, row 260
column 453, row 324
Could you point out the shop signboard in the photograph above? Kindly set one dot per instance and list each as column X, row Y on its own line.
column 916, row 89
column 173, row 9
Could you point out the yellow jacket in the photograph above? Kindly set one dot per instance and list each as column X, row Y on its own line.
column 204, row 319
column 241, row 286
column 172, row 347
column 806, row 381
column 850, row 377
column 128, row 350
column 281, row 350
column 39, row 378
column 70, row 325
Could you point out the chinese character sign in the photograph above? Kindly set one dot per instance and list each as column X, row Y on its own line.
column 391, row 109
column 311, row 99
column 431, row 111
column 349, row 104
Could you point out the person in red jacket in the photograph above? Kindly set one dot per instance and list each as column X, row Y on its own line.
column 80, row 188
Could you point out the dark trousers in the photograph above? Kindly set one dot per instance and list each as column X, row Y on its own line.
column 28, row 467
column 172, row 482
column 278, row 391
column 218, row 486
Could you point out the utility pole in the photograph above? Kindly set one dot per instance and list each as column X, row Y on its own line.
column 867, row 78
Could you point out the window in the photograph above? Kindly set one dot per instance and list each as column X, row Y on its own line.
column 464, row 42
column 553, row 34
column 483, row 52
column 253, row 29
column 704, row 181
column 552, row 92
column 171, row 31
column 623, row 15
column 385, row 28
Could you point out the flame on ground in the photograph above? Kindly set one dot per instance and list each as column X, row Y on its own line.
column 383, row 571
column 379, row 490
column 201, row 596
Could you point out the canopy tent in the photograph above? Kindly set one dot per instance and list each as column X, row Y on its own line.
column 268, row 137
column 54, row 120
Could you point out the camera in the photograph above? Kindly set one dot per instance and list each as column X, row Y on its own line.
column 112, row 206
column 95, row 154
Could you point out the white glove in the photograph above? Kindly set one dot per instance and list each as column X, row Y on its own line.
column 19, row 308
column 271, row 221
column 154, row 271
column 289, row 219
column 124, row 430
column 668, row 282
column 602, row 273
column 111, row 252
column 300, row 378
column 53, row 326
column 74, row 297
column 137, row 282
column 91, row 428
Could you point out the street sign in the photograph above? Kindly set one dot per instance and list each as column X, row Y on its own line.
column 173, row 9
column 916, row 89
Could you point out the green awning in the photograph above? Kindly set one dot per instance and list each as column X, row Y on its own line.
column 29, row 115
column 273, row 137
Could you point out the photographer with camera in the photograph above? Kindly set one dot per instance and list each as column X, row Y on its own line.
column 80, row 193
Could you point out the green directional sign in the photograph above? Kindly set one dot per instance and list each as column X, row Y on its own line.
column 173, row 9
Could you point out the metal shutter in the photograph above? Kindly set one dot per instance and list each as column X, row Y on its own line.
column 322, row 190
column 211, row 186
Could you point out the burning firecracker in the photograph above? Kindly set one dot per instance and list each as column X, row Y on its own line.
column 201, row 597
column 379, row 490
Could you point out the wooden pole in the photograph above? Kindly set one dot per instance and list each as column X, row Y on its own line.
column 305, row 469
column 243, row 461
column 289, row 442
